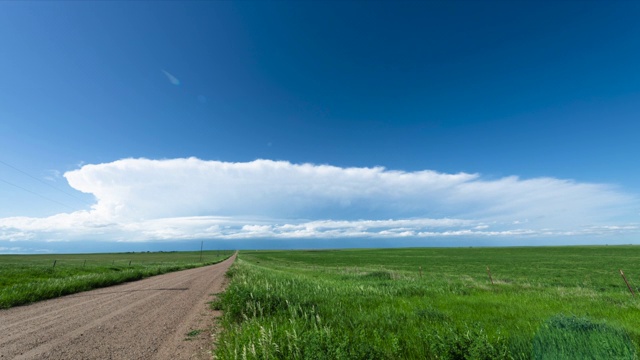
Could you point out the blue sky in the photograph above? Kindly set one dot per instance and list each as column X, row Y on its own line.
column 135, row 125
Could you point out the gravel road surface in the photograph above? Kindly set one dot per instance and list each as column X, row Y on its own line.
column 162, row 317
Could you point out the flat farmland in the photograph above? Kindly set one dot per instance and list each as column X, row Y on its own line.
column 434, row 303
column 26, row 279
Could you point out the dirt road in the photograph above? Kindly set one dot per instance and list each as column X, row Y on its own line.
column 163, row 317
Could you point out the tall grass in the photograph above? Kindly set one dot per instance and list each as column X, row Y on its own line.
column 26, row 279
column 367, row 304
column 563, row 337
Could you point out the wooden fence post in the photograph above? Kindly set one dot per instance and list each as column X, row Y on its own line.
column 626, row 282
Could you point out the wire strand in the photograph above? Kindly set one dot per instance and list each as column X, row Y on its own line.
column 35, row 193
column 44, row 182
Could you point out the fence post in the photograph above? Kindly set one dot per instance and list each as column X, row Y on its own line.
column 626, row 282
column 54, row 264
column 489, row 272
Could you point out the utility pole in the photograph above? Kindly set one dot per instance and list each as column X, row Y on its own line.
column 201, row 245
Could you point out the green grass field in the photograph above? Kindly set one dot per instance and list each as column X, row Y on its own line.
column 28, row 278
column 544, row 303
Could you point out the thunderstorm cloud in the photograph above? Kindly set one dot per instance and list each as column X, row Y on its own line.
column 189, row 198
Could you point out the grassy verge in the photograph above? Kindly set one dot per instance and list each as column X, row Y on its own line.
column 26, row 279
column 545, row 303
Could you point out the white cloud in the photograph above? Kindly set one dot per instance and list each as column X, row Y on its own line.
column 4, row 249
column 172, row 79
column 141, row 199
column 53, row 175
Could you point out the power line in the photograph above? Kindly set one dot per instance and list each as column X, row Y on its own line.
column 35, row 193
column 43, row 182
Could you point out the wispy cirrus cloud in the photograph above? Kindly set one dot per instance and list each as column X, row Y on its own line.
column 142, row 199
column 172, row 79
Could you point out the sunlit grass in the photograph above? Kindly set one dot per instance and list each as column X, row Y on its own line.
column 375, row 304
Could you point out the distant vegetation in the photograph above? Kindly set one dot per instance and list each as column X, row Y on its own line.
column 29, row 278
column 544, row 303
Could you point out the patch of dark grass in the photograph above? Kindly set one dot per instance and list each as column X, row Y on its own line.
column 378, row 275
column 192, row 334
column 571, row 337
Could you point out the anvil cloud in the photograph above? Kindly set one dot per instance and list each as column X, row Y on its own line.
column 189, row 198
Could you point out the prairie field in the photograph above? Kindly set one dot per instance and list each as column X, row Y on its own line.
column 433, row 303
column 29, row 278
